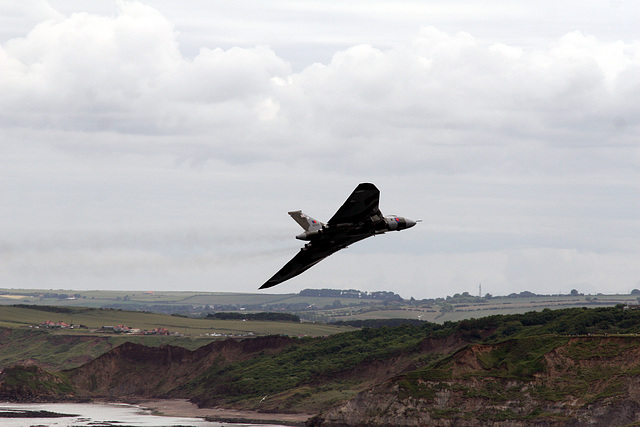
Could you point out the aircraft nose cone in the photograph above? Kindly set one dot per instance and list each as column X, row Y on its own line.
column 410, row 222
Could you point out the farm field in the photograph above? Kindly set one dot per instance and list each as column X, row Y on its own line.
column 453, row 311
column 92, row 318
column 62, row 297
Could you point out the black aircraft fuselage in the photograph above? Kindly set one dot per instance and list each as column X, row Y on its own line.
column 358, row 218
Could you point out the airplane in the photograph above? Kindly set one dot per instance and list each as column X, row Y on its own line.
column 358, row 218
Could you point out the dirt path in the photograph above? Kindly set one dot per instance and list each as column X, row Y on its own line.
column 184, row 408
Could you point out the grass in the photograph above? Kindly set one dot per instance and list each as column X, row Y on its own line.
column 26, row 381
column 323, row 360
column 19, row 345
column 95, row 318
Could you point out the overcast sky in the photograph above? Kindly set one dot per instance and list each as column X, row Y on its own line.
column 158, row 145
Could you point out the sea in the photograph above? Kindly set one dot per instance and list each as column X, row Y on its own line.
column 98, row 415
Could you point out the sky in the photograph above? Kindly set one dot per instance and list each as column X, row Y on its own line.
column 158, row 145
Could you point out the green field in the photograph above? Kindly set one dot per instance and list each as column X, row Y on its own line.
column 92, row 318
column 100, row 298
column 197, row 299
column 453, row 311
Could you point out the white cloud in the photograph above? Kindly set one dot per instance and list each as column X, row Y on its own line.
column 39, row 10
column 126, row 74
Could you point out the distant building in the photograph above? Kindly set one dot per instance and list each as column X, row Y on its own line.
column 50, row 324
column 157, row 331
column 124, row 329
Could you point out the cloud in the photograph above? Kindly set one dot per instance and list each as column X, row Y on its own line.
column 558, row 269
column 39, row 10
column 127, row 74
column 514, row 155
column 451, row 84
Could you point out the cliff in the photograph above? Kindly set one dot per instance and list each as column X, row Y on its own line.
column 447, row 381
column 135, row 370
column 531, row 381
column 530, row 369
column 47, row 350
column 32, row 383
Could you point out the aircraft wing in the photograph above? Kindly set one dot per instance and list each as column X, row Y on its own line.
column 361, row 204
column 309, row 256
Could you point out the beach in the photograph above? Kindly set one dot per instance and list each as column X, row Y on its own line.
column 184, row 408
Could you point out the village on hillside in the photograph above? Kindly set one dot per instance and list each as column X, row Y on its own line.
column 118, row 329
column 124, row 329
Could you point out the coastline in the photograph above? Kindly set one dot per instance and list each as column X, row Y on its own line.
column 184, row 408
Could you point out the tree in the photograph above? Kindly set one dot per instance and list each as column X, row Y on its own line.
column 574, row 293
column 635, row 292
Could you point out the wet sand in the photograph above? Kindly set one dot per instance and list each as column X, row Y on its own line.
column 184, row 408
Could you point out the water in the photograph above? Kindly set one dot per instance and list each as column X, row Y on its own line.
column 100, row 415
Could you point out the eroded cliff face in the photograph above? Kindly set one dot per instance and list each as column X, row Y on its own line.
column 551, row 381
column 38, row 347
column 31, row 383
column 135, row 370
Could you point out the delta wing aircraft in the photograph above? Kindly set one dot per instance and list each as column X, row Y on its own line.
column 357, row 219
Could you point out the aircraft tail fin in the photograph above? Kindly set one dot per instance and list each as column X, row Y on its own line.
column 305, row 221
